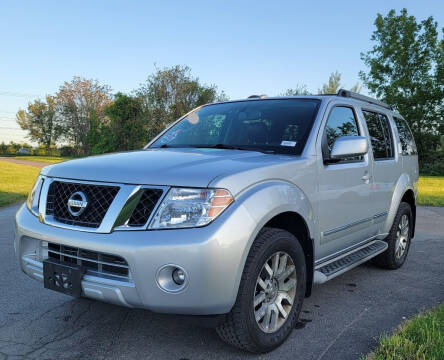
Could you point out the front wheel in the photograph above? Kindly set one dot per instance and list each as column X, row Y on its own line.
column 270, row 294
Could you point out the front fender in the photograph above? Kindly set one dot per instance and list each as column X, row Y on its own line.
column 403, row 184
column 265, row 200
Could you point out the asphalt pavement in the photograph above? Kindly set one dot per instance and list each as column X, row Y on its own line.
column 341, row 320
column 38, row 164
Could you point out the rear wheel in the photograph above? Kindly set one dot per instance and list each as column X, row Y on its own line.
column 270, row 294
column 398, row 240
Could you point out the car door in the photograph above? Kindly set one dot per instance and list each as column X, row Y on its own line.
column 386, row 163
column 345, row 217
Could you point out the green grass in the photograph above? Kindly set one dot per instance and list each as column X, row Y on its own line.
column 47, row 159
column 431, row 190
column 15, row 182
column 420, row 338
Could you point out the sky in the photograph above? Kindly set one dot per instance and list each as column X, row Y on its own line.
column 243, row 47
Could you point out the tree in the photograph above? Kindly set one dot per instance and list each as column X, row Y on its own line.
column 333, row 85
column 13, row 148
column 406, row 70
column 3, row 148
column 356, row 88
column 40, row 121
column 170, row 93
column 81, row 105
column 298, row 90
column 126, row 123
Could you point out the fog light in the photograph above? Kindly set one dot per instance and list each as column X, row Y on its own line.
column 172, row 278
column 178, row 276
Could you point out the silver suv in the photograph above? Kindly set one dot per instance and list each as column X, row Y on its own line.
column 234, row 211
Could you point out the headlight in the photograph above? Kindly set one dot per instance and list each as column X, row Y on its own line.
column 34, row 196
column 184, row 208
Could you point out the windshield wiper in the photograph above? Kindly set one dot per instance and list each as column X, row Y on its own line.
column 165, row 146
column 221, row 146
column 232, row 147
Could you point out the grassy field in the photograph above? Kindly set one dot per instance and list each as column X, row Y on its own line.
column 420, row 338
column 47, row 159
column 15, row 182
column 431, row 190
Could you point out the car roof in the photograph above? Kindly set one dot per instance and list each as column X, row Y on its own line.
column 353, row 98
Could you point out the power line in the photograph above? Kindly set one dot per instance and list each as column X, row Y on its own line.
column 10, row 128
column 17, row 94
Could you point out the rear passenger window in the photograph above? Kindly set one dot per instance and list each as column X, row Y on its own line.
column 381, row 137
column 341, row 122
column 405, row 136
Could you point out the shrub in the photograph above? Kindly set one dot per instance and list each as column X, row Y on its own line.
column 67, row 151
column 433, row 163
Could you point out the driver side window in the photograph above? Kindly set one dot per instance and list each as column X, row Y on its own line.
column 341, row 122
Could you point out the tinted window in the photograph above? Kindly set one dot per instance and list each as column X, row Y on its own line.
column 280, row 126
column 381, row 137
column 405, row 136
column 341, row 122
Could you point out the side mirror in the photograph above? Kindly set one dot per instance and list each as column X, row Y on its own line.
column 348, row 146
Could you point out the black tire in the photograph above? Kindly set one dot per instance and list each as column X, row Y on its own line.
column 388, row 259
column 240, row 328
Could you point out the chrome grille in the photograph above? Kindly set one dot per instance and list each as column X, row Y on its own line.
column 99, row 199
column 144, row 208
column 95, row 263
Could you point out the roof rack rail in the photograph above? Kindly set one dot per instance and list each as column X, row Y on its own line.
column 263, row 96
column 353, row 95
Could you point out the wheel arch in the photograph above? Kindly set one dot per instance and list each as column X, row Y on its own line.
column 403, row 191
column 282, row 205
column 295, row 224
column 409, row 198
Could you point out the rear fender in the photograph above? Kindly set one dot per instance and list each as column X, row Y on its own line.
column 403, row 184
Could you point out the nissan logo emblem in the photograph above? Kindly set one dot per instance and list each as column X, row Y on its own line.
column 77, row 203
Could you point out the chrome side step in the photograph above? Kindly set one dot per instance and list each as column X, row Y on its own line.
column 339, row 265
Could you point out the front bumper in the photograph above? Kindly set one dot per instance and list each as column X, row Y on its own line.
column 213, row 257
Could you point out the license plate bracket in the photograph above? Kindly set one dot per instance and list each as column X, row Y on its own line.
column 63, row 277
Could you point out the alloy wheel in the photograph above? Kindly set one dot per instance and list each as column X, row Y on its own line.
column 402, row 236
column 275, row 292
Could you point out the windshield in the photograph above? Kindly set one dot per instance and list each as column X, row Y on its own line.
column 275, row 126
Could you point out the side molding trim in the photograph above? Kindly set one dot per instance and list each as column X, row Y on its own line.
column 354, row 223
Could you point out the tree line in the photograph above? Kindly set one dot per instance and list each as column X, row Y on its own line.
column 405, row 68
column 88, row 117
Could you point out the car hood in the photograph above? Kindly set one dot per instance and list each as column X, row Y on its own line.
column 174, row 167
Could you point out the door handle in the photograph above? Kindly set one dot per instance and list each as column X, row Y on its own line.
column 366, row 177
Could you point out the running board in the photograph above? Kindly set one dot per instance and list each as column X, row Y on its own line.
column 345, row 262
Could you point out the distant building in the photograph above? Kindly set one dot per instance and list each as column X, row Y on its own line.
column 23, row 151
